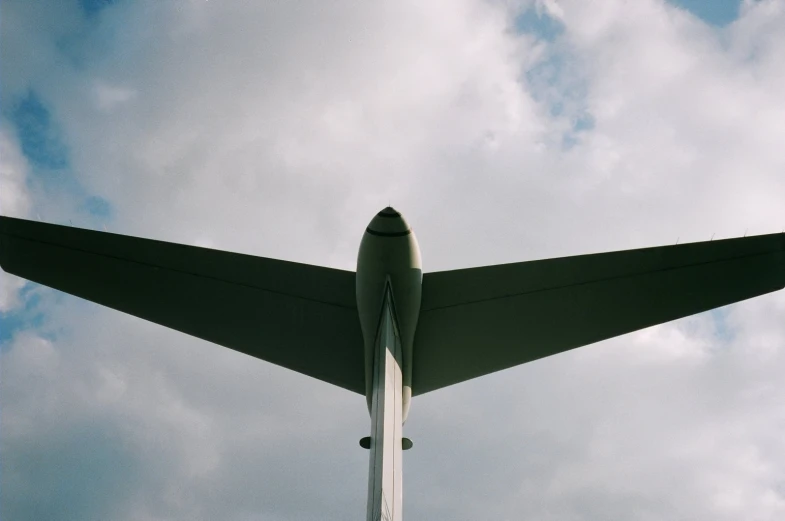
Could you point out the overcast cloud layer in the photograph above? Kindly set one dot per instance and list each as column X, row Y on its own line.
column 504, row 131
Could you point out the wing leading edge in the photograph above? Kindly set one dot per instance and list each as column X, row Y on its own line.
column 298, row 316
column 481, row 320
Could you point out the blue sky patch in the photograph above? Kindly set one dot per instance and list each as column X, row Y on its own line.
column 42, row 143
column 39, row 138
column 556, row 84
column 539, row 24
column 10, row 324
column 720, row 318
column 583, row 122
column 714, row 12
column 27, row 316
column 34, row 313
column 98, row 207
column 93, row 7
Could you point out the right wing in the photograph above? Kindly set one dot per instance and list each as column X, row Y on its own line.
column 481, row 320
column 298, row 316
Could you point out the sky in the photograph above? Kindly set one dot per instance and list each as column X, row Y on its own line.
column 503, row 131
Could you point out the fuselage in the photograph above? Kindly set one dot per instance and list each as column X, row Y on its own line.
column 389, row 261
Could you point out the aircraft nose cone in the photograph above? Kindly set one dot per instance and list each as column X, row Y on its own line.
column 388, row 223
column 392, row 212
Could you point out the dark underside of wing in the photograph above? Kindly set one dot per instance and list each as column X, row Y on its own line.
column 298, row 316
column 481, row 320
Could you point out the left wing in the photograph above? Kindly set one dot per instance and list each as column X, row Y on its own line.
column 298, row 316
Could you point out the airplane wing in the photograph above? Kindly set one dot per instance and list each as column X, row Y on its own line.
column 294, row 315
column 481, row 320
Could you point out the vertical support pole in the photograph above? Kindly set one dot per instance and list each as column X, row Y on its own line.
column 385, row 482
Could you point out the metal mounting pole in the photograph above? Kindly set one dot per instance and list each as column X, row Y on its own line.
column 385, row 482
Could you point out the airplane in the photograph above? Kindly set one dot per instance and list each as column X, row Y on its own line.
column 389, row 331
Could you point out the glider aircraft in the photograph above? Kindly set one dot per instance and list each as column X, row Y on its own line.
column 389, row 331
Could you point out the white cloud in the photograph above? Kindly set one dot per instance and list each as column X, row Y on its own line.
column 108, row 96
column 14, row 199
column 15, row 202
column 279, row 131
